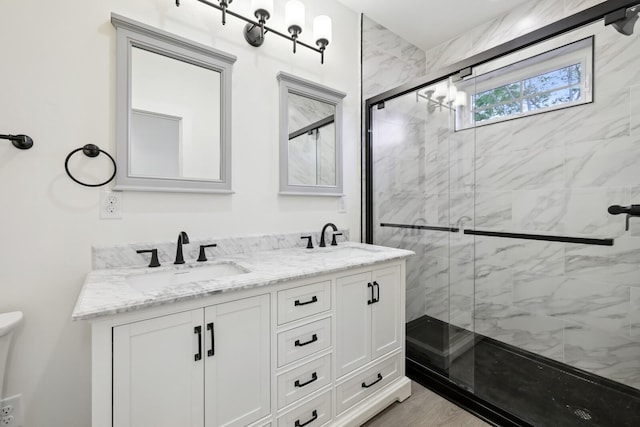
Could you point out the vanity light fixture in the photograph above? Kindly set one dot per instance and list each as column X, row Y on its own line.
column 255, row 30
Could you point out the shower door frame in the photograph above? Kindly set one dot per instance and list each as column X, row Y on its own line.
column 438, row 383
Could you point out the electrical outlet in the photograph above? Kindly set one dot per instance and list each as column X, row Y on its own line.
column 342, row 204
column 11, row 412
column 110, row 205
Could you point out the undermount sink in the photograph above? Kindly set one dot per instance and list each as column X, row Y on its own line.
column 181, row 276
column 346, row 251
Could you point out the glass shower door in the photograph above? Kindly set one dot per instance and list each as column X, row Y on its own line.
column 414, row 185
column 461, row 210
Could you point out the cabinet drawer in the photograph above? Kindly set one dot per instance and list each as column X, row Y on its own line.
column 303, row 341
column 314, row 413
column 303, row 301
column 368, row 382
column 304, row 380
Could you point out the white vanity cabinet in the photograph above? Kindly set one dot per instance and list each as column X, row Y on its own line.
column 203, row 367
column 317, row 351
column 368, row 312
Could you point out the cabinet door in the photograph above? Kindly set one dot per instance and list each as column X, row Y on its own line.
column 156, row 379
column 353, row 322
column 237, row 362
column 385, row 312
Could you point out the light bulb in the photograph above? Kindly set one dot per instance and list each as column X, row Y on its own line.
column 452, row 93
column 322, row 29
column 294, row 15
column 461, row 98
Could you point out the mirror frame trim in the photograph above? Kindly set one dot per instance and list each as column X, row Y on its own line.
column 131, row 34
column 289, row 83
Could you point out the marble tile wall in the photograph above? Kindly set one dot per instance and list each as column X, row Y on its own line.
column 553, row 173
column 387, row 59
column 515, row 23
column 399, row 158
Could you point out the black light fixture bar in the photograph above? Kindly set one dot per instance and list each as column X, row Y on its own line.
column 257, row 24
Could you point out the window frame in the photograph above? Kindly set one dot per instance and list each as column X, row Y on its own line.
column 554, row 59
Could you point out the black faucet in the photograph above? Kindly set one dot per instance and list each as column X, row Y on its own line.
column 335, row 229
column 182, row 239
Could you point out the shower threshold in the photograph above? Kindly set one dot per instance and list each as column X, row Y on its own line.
column 511, row 386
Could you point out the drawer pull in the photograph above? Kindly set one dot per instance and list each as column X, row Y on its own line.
column 314, row 377
column 198, row 330
column 364, row 385
column 311, row 301
column 314, row 416
column 313, row 339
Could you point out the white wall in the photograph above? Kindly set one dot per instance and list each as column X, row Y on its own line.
column 58, row 86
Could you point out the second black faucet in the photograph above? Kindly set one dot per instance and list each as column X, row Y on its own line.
column 334, row 234
column 182, row 239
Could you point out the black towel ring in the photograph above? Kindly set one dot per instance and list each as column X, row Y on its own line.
column 90, row 150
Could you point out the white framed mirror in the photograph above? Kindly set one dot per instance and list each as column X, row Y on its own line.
column 173, row 112
column 310, row 138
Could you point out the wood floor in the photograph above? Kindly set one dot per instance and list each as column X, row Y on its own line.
column 424, row 409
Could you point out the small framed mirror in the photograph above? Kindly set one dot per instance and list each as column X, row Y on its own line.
column 173, row 112
column 310, row 138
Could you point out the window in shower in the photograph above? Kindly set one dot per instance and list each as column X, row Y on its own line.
column 555, row 79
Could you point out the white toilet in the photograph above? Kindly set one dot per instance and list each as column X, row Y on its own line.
column 8, row 322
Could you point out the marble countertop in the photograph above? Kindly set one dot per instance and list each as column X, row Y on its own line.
column 107, row 292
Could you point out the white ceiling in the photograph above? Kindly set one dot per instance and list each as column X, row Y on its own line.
column 427, row 23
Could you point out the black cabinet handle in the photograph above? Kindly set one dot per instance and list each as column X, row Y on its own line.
column 313, row 418
column 313, row 339
column 213, row 340
column 364, row 385
column 314, row 377
column 372, row 300
column 198, row 330
column 377, row 287
column 311, row 301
